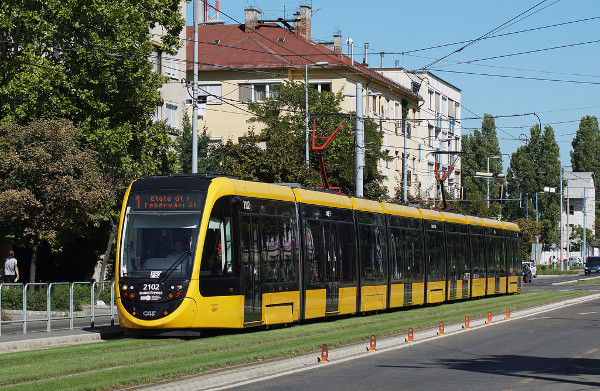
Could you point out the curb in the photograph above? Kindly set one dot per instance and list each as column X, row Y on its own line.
column 64, row 340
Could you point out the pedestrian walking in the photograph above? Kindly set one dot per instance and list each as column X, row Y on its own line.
column 11, row 270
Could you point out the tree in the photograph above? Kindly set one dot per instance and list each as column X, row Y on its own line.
column 88, row 63
column 576, row 239
column 283, row 158
column 585, row 156
column 532, row 167
column 477, row 148
column 50, row 186
column 208, row 161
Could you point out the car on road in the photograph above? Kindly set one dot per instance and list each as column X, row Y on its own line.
column 592, row 265
column 526, row 272
column 573, row 261
column 532, row 267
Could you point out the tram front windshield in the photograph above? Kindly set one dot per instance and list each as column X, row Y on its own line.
column 159, row 245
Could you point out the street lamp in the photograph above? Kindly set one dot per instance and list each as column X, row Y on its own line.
column 322, row 64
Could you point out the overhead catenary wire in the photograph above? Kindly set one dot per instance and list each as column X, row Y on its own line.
column 483, row 36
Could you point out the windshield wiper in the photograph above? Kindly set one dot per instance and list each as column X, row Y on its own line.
column 170, row 270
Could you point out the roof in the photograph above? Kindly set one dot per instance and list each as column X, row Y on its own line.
column 233, row 47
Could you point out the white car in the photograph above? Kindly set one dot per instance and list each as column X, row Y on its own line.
column 532, row 267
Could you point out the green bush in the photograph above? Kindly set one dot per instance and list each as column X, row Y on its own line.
column 12, row 298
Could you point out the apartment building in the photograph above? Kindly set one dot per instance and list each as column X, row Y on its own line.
column 242, row 62
column 174, row 92
column 579, row 202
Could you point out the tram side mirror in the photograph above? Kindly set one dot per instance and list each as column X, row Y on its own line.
column 235, row 201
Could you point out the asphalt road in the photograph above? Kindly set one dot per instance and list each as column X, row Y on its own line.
column 556, row 350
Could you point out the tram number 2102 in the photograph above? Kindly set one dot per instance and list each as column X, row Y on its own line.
column 151, row 287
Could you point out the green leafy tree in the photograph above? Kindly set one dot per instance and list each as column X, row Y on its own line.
column 283, row 158
column 50, row 186
column 477, row 148
column 208, row 160
column 585, row 156
column 576, row 238
column 88, row 63
column 533, row 167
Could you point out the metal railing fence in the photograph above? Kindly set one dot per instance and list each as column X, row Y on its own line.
column 23, row 302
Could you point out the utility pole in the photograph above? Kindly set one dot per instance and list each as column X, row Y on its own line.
column 561, row 222
column 584, row 252
column 404, row 157
column 198, row 18
column 360, row 140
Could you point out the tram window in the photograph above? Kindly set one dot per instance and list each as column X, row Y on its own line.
column 495, row 249
column 435, row 260
column 315, row 265
column 148, row 243
column 373, row 264
column 477, row 256
column 217, row 255
column 347, row 248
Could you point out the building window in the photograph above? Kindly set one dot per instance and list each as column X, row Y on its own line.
column 321, row 87
column 571, row 209
column 212, row 92
column 170, row 69
column 415, row 87
column 430, row 136
column 257, row 92
column 171, row 114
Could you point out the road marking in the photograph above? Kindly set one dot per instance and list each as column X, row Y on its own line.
column 587, row 313
column 592, row 351
column 527, row 380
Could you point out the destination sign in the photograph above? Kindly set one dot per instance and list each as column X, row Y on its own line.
column 166, row 201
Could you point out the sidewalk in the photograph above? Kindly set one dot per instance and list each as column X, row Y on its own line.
column 55, row 338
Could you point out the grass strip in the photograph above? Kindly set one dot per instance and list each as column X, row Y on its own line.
column 119, row 363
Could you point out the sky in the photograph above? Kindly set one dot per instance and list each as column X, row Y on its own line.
column 545, row 60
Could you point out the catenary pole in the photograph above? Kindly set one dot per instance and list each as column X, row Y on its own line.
column 360, row 140
column 198, row 19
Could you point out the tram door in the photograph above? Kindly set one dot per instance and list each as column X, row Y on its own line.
column 251, row 252
column 333, row 267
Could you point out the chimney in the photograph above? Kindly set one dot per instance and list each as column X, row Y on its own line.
column 366, row 59
column 397, row 63
column 303, row 25
column 337, row 43
column 252, row 18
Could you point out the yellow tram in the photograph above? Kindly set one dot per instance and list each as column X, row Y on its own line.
column 199, row 252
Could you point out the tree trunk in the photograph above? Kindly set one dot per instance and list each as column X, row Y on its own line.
column 33, row 264
column 109, row 244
